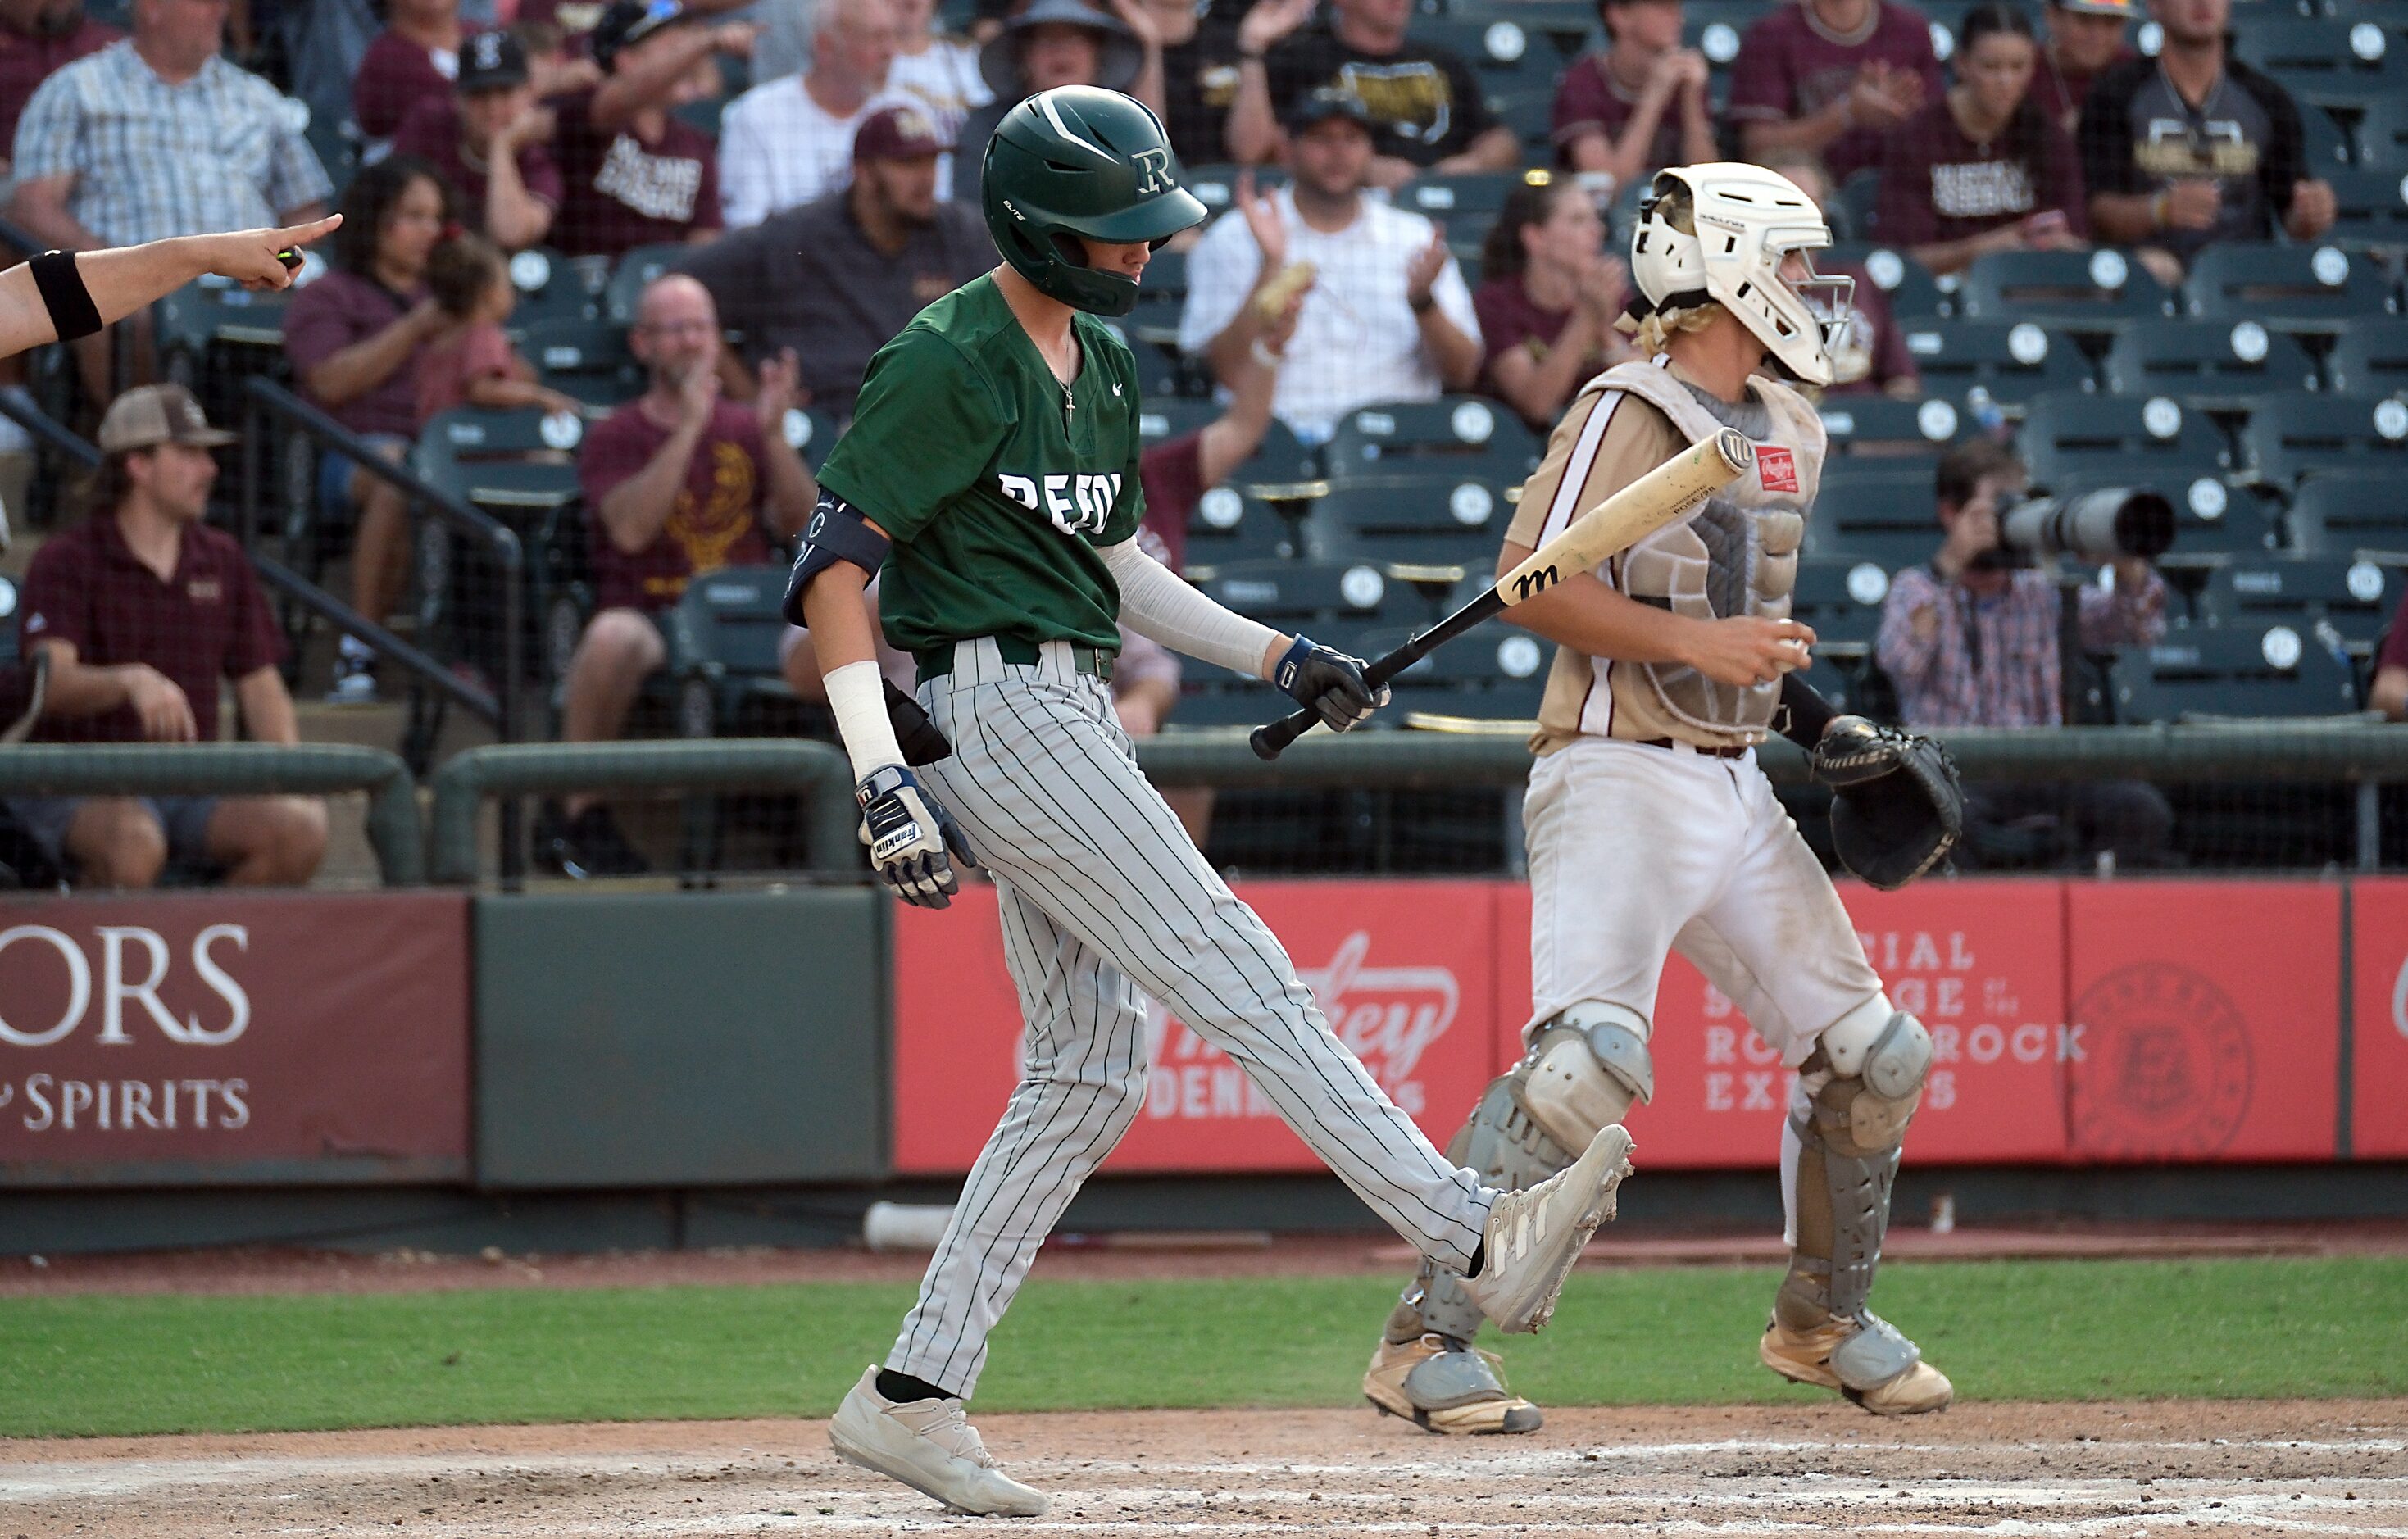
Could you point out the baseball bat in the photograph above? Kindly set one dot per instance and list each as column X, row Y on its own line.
column 1665, row 494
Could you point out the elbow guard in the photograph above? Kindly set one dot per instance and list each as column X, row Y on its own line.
column 837, row 532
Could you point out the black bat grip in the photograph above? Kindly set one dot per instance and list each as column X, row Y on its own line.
column 1271, row 738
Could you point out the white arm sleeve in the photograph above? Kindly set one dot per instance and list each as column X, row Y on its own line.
column 1155, row 602
column 856, row 694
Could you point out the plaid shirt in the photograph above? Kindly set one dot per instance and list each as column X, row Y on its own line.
column 1992, row 661
column 221, row 152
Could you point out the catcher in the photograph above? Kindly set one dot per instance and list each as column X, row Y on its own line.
column 1650, row 828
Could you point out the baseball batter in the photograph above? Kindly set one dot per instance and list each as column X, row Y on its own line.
column 991, row 473
column 1650, row 828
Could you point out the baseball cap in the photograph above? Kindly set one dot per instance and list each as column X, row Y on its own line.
column 491, row 61
column 898, row 132
column 150, row 415
column 2097, row 8
column 629, row 22
column 1324, row 103
column 1119, row 56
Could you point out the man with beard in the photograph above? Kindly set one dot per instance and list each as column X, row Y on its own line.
column 832, row 280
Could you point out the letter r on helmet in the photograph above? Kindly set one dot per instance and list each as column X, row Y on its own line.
column 1154, row 168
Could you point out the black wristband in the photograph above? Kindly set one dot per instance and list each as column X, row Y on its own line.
column 72, row 311
column 1802, row 714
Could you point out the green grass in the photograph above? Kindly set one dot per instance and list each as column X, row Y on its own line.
column 2009, row 1331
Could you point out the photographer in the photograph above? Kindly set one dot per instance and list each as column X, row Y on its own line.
column 1971, row 640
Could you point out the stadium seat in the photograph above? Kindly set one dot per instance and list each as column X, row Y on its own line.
column 2074, row 435
column 2369, row 358
column 2350, row 514
column 1415, row 522
column 2008, row 363
column 512, row 464
column 548, row 287
column 1842, row 600
column 1289, row 592
column 1875, row 511
column 2371, row 207
column 2382, row 135
column 584, row 358
column 2235, row 671
column 632, row 273
column 1915, row 297
column 216, row 312
column 1501, row 49
column 2323, row 141
column 1216, row 186
column 1277, row 462
column 1876, row 427
column 1497, row 673
column 2096, row 292
column 1530, row 113
column 2287, row 288
column 2207, row 364
column 1473, row 198
column 1453, row 433
column 2322, row 60
column 1226, row 525
column 2290, row 436
column 723, row 639
column 2354, row 596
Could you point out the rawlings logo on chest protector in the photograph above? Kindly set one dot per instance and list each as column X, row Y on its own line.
column 1776, row 469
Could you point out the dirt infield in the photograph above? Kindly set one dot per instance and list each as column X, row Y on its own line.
column 2337, row 1467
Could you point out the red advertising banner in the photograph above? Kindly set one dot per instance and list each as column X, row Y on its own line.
column 1405, row 971
column 292, row 1037
column 1979, row 962
column 2378, row 951
column 2205, row 1021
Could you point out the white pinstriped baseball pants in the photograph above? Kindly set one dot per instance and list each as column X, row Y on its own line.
column 1102, row 894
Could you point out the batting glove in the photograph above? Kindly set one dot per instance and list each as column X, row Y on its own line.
column 1328, row 683
column 908, row 835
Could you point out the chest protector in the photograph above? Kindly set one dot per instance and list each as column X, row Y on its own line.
column 1736, row 555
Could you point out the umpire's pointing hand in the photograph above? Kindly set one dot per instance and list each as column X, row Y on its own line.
column 908, row 835
column 1326, row 682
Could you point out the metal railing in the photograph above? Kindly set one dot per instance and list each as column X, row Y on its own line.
column 819, row 773
column 266, row 399
column 235, row 769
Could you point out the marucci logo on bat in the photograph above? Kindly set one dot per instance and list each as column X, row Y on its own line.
column 1531, row 583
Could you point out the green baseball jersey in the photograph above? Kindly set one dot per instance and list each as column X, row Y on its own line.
column 995, row 483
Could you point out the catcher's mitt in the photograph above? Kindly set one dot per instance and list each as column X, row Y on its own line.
column 1896, row 809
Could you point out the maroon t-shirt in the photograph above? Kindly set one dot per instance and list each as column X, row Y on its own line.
column 2395, row 640
column 622, row 193
column 1937, row 183
column 1791, row 65
column 1873, row 351
column 1510, row 319
column 338, row 310
column 394, row 75
column 27, row 61
column 714, row 523
column 430, row 131
column 207, row 622
column 1592, row 101
column 1172, row 476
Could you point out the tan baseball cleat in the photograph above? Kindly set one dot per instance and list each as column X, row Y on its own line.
column 929, row 1445
column 1868, row 1361
column 1534, row 1235
column 1442, row 1385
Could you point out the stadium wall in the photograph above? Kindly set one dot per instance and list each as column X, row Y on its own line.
column 730, row 1068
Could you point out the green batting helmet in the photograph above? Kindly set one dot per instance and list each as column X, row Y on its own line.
column 1081, row 160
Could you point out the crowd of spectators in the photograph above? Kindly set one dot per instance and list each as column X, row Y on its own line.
column 819, row 161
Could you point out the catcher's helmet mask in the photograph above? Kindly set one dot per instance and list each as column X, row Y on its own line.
column 1078, row 164
column 1744, row 225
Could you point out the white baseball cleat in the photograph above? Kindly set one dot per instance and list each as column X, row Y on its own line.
column 1535, row 1235
column 929, row 1445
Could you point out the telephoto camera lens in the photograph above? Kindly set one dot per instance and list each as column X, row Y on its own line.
column 2097, row 526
